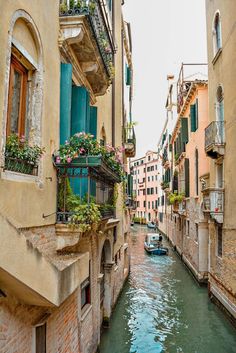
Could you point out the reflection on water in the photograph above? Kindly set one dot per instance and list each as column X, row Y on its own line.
column 162, row 309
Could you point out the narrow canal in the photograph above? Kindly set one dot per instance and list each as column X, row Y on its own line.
column 162, row 309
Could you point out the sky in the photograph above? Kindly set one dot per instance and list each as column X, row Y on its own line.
column 165, row 33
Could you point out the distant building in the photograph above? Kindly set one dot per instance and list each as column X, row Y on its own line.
column 145, row 184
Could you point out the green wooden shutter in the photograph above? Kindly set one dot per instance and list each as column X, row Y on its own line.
column 193, row 117
column 186, row 170
column 80, row 110
column 93, row 121
column 184, row 130
column 128, row 75
column 196, row 104
column 80, row 121
column 65, row 102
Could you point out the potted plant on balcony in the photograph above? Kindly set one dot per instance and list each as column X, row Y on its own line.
column 21, row 156
column 82, row 146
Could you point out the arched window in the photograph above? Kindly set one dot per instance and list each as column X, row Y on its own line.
column 23, row 101
column 217, row 36
column 220, row 114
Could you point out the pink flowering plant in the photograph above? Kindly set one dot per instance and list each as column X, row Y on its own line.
column 82, row 144
column 19, row 148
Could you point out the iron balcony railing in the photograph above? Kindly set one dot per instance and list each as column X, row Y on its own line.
column 213, row 200
column 215, row 134
column 96, row 16
column 65, row 217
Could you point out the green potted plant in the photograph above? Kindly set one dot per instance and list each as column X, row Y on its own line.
column 20, row 155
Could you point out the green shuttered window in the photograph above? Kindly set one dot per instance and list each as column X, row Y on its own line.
column 194, row 116
column 184, row 130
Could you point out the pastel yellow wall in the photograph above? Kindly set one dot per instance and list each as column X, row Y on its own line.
column 24, row 202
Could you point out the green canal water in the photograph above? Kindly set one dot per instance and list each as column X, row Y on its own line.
column 162, row 309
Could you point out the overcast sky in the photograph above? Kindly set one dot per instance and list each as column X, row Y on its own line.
column 165, row 33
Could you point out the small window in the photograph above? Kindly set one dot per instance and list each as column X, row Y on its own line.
column 40, row 339
column 85, row 293
column 187, row 227
column 217, row 36
column 196, row 232
column 219, row 241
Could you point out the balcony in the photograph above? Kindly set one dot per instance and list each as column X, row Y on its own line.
column 129, row 142
column 213, row 203
column 215, row 139
column 86, row 41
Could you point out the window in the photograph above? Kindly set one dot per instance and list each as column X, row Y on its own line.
column 144, row 170
column 219, row 134
column 149, row 158
column 144, row 203
column 17, row 99
column 149, row 205
column 115, row 234
column 187, row 227
column 153, row 205
column 196, row 232
column 40, row 338
column 143, row 180
column 148, row 178
column 217, row 36
column 156, row 190
column 219, row 241
column 85, row 293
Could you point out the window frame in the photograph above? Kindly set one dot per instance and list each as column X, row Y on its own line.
column 216, row 36
column 16, row 65
column 85, row 286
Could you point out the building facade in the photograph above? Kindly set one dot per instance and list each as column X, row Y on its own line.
column 219, row 196
column 145, row 183
column 184, row 167
column 62, row 79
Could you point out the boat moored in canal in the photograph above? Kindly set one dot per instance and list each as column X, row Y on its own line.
column 153, row 244
column 151, row 225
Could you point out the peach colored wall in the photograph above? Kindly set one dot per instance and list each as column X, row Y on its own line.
column 148, row 183
column 197, row 140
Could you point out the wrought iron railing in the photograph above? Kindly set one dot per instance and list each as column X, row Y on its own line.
column 65, row 217
column 213, row 200
column 215, row 134
column 93, row 11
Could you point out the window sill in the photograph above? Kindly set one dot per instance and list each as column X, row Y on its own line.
column 85, row 311
column 14, row 176
column 217, row 55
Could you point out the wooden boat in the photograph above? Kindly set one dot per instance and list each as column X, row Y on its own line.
column 153, row 244
column 151, row 225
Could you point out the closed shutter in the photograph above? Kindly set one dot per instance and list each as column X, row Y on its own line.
column 184, row 130
column 193, row 117
column 65, row 102
column 186, row 169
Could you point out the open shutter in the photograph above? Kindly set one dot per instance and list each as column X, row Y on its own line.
column 186, row 169
column 184, row 130
column 196, row 104
column 193, row 117
column 128, row 75
column 65, row 102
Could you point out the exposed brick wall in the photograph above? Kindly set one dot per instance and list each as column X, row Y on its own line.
column 17, row 320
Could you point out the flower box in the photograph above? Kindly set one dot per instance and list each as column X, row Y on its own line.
column 20, row 166
column 96, row 164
